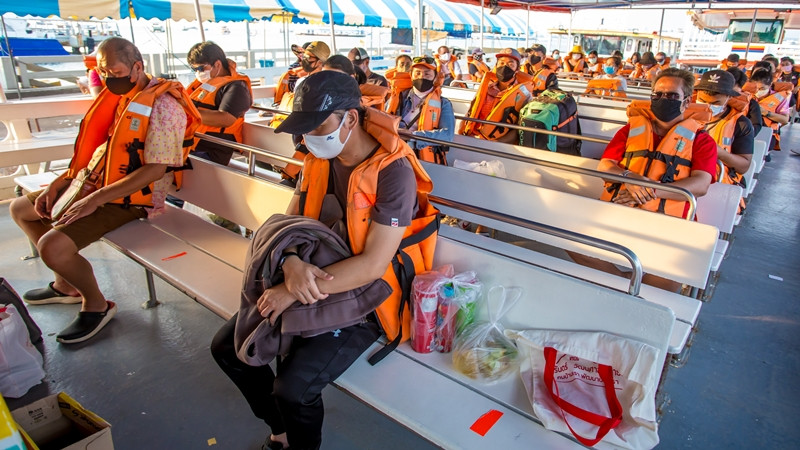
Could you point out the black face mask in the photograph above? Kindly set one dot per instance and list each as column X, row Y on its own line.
column 665, row 109
column 478, row 57
column 535, row 59
column 422, row 84
column 505, row 73
column 119, row 85
column 307, row 66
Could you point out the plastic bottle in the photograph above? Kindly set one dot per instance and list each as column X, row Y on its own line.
column 10, row 438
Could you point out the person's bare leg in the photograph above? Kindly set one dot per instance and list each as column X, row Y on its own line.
column 61, row 255
column 24, row 214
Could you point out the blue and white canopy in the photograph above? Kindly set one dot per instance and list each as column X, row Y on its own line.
column 213, row 10
column 442, row 15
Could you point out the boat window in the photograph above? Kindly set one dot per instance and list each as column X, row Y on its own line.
column 766, row 31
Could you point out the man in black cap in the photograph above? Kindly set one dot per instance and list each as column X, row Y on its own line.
column 360, row 59
column 542, row 69
column 729, row 125
column 371, row 215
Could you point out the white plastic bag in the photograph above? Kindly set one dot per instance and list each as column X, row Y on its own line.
column 494, row 167
column 482, row 351
column 20, row 362
column 598, row 386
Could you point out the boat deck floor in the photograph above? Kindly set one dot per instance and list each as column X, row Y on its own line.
column 150, row 373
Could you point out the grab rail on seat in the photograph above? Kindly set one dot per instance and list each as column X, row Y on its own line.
column 636, row 265
column 252, row 152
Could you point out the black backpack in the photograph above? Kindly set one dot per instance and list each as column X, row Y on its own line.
column 553, row 110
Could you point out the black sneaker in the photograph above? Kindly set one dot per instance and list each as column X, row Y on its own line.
column 86, row 325
column 44, row 296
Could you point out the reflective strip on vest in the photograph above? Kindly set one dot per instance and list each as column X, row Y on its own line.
column 524, row 91
column 684, row 133
column 636, row 131
column 208, row 87
column 138, row 108
column 727, row 141
column 433, row 103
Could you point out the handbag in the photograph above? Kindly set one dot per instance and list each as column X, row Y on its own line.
column 597, row 386
column 87, row 181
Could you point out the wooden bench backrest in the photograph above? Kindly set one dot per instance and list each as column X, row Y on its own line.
column 536, row 175
column 259, row 198
column 719, row 206
column 673, row 248
column 260, row 134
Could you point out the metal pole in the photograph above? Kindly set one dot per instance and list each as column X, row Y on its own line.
column 482, row 14
column 660, row 29
column 130, row 22
column 569, row 35
column 333, row 32
column 528, row 28
column 420, row 21
column 11, row 56
column 750, row 37
column 199, row 20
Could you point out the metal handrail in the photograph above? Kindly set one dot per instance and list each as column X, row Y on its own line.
column 251, row 151
column 536, row 130
column 636, row 265
column 565, row 167
column 597, row 119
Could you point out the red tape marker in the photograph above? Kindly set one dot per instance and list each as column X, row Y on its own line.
column 486, row 422
column 178, row 255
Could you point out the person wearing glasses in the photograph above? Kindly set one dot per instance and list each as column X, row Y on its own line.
column 151, row 121
column 222, row 95
column 500, row 97
column 663, row 142
column 423, row 111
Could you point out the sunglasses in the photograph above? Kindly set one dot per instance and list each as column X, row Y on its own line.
column 199, row 68
column 423, row 60
column 310, row 59
column 667, row 95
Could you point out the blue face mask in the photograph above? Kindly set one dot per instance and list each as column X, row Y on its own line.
column 608, row 69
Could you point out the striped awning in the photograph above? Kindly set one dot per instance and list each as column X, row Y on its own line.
column 212, row 10
column 442, row 15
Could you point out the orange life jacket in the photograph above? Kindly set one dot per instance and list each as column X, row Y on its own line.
column 398, row 82
column 415, row 254
column 540, row 78
column 671, row 161
column 647, row 74
column 608, row 87
column 722, row 130
column 429, row 116
column 373, row 95
column 283, row 83
column 483, row 69
column 505, row 110
column 451, row 64
column 571, row 66
column 126, row 136
column 204, row 96
column 771, row 103
column 664, row 65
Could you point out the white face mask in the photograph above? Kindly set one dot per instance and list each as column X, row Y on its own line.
column 444, row 57
column 203, row 76
column 762, row 92
column 716, row 109
column 592, row 60
column 327, row 146
column 576, row 56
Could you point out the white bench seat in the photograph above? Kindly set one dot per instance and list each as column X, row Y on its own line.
column 203, row 277
column 36, row 150
column 686, row 309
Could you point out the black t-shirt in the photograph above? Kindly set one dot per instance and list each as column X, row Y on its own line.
column 233, row 98
column 791, row 77
column 742, row 135
column 754, row 114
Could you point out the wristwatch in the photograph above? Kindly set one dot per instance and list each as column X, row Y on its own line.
column 286, row 255
column 625, row 173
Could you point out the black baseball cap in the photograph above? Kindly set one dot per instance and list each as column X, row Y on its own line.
column 718, row 82
column 320, row 95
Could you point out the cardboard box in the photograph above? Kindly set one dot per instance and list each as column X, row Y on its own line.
column 58, row 422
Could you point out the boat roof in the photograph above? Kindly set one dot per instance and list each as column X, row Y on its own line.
column 613, row 33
